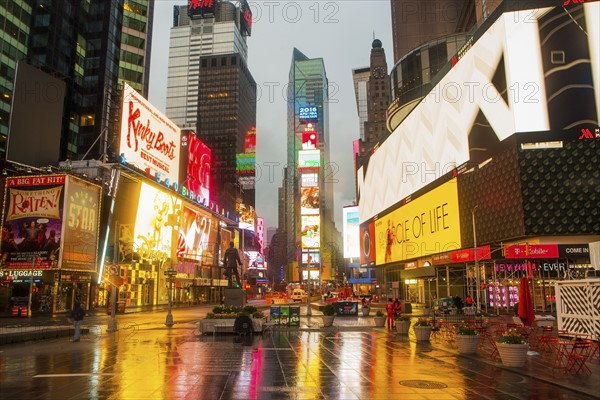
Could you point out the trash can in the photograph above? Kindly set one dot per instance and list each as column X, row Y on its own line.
column 408, row 308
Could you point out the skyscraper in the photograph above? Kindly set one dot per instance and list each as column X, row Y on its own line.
column 210, row 89
column 91, row 46
column 213, row 31
column 311, row 235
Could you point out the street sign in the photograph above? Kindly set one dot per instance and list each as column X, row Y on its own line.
column 114, row 269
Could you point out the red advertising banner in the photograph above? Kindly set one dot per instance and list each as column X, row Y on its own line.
column 32, row 223
column 81, row 219
column 199, row 165
column 531, row 251
column 309, row 140
column 465, row 255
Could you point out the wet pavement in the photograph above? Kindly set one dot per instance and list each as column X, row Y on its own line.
column 352, row 360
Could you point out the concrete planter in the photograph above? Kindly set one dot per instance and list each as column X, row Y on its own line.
column 328, row 320
column 467, row 344
column 379, row 321
column 257, row 324
column 422, row 333
column 366, row 311
column 402, row 327
column 513, row 355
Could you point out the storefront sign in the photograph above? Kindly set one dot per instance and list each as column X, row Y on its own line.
column 442, row 258
column 531, row 251
column 574, row 251
column 427, row 225
column 466, row 255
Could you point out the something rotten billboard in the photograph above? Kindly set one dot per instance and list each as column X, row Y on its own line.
column 31, row 223
column 149, row 140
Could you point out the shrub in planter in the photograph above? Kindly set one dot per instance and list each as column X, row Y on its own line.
column 402, row 324
column 422, row 329
column 512, row 348
column 328, row 310
column 249, row 309
column 379, row 313
column 379, row 318
column 467, row 339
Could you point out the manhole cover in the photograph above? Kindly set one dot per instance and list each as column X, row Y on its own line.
column 424, row 384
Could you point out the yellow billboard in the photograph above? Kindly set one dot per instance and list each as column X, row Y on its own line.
column 427, row 225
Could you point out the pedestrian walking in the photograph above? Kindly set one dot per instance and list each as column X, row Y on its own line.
column 77, row 315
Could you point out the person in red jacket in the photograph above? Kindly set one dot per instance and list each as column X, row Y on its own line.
column 389, row 308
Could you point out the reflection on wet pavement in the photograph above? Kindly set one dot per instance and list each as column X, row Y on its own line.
column 160, row 363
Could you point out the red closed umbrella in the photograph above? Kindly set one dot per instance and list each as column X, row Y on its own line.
column 526, row 312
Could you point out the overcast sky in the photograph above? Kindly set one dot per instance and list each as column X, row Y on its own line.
column 340, row 32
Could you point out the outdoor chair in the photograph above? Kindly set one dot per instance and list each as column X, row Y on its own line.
column 578, row 356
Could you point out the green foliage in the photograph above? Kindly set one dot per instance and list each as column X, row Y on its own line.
column 467, row 330
column 511, row 336
column 328, row 310
column 422, row 322
column 249, row 309
column 257, row 314
column 402, row 318
column 379, row 313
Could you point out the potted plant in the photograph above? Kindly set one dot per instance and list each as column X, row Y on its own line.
column 258, row 319
column 467, row 339
column 422, row 329
column 379, row 319
column 512, row 348
column 328, row 315
column 402, row 324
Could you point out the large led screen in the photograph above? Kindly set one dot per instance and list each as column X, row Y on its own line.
column 312, row 257
column 309, row 140
column 247, row 216
column 309, row 179
column 149, row 140
column 523, row 73
column 426, row 225
column 32, row 221
column 81, row 219
column 351, row 232
column 197, row 235
column 196, row 163
column 152, row 237
column 311, row 231
column 309, row 201
column 309, row 159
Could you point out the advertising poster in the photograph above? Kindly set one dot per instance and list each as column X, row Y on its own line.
column 351, row 229
column 274, row 311
column 81, row 219
column 149, row 140
column 294, row 316
column 309, row 201
column 152, row 238
column 309, row 140
column 32, row 223
column 197, row 233
column 310, row 179
column 367, row 243
column 195, row 167
column 247, row 216
column 428, row 224
column 311, row 233
column 309, row 159
column 284, row 315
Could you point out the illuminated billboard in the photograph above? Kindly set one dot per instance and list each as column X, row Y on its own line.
column 245, row 163
column 80, row 225
column 32, row 221
column 311, row 231
column 308, row 114
column 201, row 7
column 426, row 225
column 309, row 159
column 309, row 140
column 351, row 231
column 314, row 257
column 309, row 179
column 245, row 18
column 537, row 64
column 309, row 201
column 250, row 141
column 247, row 216
column 196, row 164
column 367, row 243
column 149, row 140
column 152, row 237
column 197, row 235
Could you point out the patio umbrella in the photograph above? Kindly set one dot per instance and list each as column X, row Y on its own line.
column 526, row 312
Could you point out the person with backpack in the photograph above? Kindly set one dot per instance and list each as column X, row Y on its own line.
column 77, row 315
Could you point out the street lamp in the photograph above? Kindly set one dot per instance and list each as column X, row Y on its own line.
column 476, row 260
column 170, row 273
